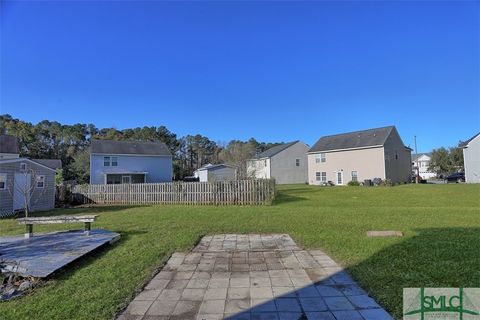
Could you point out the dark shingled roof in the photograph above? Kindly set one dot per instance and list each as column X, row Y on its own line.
column 51, row 163
column 8, row 144
column 274, row 150
column 130, row 147
column 464, row 144
column 353, row 140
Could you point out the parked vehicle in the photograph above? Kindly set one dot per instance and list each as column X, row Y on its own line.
column 456, row 177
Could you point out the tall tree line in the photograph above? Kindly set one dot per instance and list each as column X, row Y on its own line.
column 70, row 143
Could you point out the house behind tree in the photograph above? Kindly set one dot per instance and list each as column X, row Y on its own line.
column 360, row 155
column 286, row 163
column 25, row 179
column 123, row 162
column 421, row 162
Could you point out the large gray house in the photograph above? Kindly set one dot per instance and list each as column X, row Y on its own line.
column 360, row 155
column 25, row 181
column 117, row 162
column 471, row 159
column 286, row 163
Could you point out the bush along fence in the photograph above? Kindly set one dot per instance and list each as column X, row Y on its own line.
column 241, row 192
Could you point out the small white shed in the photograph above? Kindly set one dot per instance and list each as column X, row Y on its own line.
column 215, row 172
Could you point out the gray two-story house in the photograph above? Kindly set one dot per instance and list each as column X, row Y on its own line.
column 286, row 163
column 118, row 162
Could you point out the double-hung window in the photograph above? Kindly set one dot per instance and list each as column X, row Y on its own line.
column 321, row 176
column 110, row 161
column 355, row 176
column 320, row 157
column 297, row 162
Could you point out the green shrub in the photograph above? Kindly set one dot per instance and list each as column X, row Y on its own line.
column 353, row 183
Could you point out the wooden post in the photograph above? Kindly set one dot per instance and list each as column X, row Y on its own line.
column 28, row 231
column 87, row 228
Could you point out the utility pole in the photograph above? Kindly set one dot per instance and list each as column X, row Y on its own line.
column 416, row 161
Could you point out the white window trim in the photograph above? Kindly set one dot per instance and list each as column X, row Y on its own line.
column 356, row 177
column 105, row 161
column 323, row 157
column 40, row 178
column 336, row 178
column 3, row 177
column 23, row 166
column 297, row 162
column 111, row 161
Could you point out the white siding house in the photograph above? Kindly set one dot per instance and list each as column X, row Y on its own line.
column 471, row 159
column 422, row 161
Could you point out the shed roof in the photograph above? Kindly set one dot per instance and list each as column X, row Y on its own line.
column 130, row 147
column 9, row 144
column 274, row 150
column 353, row 140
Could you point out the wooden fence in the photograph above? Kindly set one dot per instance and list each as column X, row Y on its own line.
column 241, row 192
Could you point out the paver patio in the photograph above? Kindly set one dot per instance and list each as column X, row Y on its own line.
column 230, row 276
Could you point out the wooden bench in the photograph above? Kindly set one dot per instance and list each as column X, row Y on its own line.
column 29, row 222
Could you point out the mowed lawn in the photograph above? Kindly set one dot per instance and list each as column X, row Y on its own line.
column 440, row 248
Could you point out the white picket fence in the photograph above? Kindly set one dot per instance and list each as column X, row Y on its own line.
column 241, row 192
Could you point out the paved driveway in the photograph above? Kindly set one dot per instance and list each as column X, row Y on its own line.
column 252, row 277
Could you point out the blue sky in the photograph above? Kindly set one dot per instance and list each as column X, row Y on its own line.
column 276, row 71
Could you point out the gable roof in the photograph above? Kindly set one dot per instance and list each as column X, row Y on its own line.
column 51, row 163
column 353, row 140
column 130, row 147
column 414, row 155
column 2, row 161
column 465, row 144
column 9, row 144
column 210, row 166
column 274, row 150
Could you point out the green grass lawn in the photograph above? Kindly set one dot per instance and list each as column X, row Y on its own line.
column 440, row 248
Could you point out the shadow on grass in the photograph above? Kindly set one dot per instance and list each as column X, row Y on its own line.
column 443, row 257
column 285, row 198
column 79, row 210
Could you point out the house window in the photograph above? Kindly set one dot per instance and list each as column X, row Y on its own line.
column 297, row 162
column 3, row 181
column 396, row 155
column 106, row 161
column 264, row 163
column 114, row 161
column 320, row 158
column 355, row 176
column 40, row 181
column 321, row 176
column 23, row 166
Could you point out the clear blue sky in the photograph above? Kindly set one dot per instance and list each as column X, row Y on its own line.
column 277, row 71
